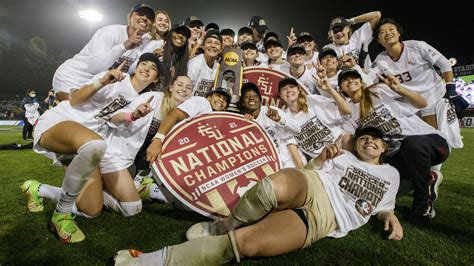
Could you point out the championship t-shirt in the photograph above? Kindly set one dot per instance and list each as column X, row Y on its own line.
column 202, row 75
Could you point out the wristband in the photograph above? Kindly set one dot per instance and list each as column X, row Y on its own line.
column 129, row 117
column 97, row 84
column 159, row 136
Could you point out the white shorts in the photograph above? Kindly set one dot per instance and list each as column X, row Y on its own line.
column 46, row 121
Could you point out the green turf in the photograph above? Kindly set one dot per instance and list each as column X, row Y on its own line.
column 25, row 239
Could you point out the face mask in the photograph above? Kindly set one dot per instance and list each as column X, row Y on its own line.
column 32, row 95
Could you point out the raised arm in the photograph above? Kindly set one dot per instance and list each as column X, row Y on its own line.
column 371, row 17
column 341, row 103
column 414, row 98
column 391, row 224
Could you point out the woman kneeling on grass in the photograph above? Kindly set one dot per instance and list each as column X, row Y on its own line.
column 336, row 193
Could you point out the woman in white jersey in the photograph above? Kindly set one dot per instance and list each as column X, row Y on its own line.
column 338, row 192
column 416, row 146
column 76, row 127
column 298, row 68
column 320, row 118
column 412, row 62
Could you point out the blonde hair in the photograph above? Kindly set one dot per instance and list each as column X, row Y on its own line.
column 154, row 32
column 302, row 102
column 168, row 102
column 366, row 104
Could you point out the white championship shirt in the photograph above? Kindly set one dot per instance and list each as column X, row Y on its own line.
column 201, row 75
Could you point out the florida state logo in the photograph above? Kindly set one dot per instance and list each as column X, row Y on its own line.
column 210, row 161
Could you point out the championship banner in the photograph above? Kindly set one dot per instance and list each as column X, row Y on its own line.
column 210, row 161
column 267, row 81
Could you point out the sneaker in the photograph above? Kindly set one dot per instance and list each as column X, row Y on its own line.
column 203, row 229
column 144, row 188
column 31, row 189
column 435, row 181
column 127, row 257
column 65, row 227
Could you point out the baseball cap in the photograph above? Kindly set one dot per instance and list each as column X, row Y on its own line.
column 348, row 73
column 213, row 34
column 272, row 40
column 249, row 86
column 180, row 28
column 304, row 35
column 221, row 91
column 211, row 25
column 151, row 57
column 258, row 23
column 326, row 51
column 270, row 34
column 245, row 30
column 144, row 10
column 368, row 130
column 228, row 32
column 193, row 20
column 286, row 81
column 295, row 47
column 248, row 44
column 338, row 22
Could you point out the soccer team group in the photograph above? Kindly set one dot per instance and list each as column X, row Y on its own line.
column 355, row 132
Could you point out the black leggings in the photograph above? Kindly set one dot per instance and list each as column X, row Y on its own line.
column 27, row 129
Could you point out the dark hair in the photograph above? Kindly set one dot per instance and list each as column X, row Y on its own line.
column 30, row 90
column 176, row 57
column 376, row 31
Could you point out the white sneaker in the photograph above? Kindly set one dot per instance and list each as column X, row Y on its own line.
column 203, row 229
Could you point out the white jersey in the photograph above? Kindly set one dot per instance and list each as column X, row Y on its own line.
column 306, row 79
column 124, row 140
column 392, row 114
column 414, row 69
column 195, row 106
column 358, row 44
column 321, row 125
column 202, row 75
column 103, row 51
column 358, row 190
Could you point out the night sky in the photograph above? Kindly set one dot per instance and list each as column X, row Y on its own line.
column 448, row 28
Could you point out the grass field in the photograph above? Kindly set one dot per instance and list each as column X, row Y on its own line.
column 25, row 240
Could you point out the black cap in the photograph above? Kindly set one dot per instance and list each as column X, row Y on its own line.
column 248, row 44
column 221, row 91
column 152, row 58
column 193, row 20
column 245, row 30
column 228, row 32
column 304, row 35
column 249, row 86
column 295, row 47
column 212, row 25
column 270, row 34
column 285, row 81
column 348, row 73
column 258, row 23
column 213, row 34
column 368, row 130
column 272, row 40
column 338, row 22
column 144, row 10
column 180, row 28
column 325, row 51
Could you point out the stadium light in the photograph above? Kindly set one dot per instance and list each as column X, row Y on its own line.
column 90, row 15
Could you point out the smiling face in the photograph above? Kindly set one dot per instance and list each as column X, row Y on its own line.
column 329, row 62
column 341, row 35
column 308, row 44
column 251, row 101
column 196, row 30
column 178, row 39
column 212, row 47
column 218, row 101
column 250, row 54
column 227, row 40
column 181, row 89
column 244, row 37
column 296, row 58
column 369, row 148
column 146, row 72
column 388, row 35
column 274, row 51
column 139, row 22
column 289, row 93
column 351, row 85
column 162, row 23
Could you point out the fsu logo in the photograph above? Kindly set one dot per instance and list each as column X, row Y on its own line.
column 267, row 81
column 209, row 162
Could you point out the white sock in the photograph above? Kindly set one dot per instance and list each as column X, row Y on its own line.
column 155, row 193
column 111, row 202
column 153, row 258
column 437, row 167
column 137, row 180
column 49, row 192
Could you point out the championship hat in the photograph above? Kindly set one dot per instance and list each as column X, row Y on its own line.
column 258, row 23
column 144, row 10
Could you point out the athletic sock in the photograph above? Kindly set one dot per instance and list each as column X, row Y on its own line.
column 49, row 192
column 155, row 193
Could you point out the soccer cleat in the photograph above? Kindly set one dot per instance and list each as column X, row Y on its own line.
column 65, row 227
column 204, row 229
column 144, row 188
column 436, row 179
column 31, row 189
column 127, row 257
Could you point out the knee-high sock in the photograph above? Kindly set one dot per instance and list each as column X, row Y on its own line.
column 125, row 208
column 256, row 203
column 79, row 170
column 213, row 250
